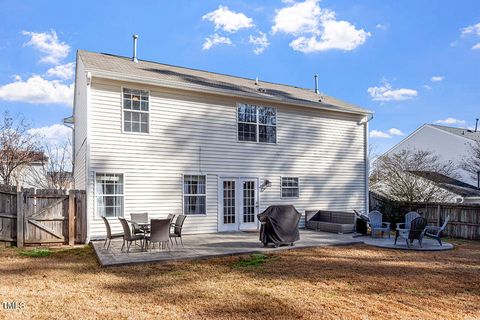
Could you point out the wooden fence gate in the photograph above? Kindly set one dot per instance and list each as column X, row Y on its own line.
column 42, row 216
column 8, row 215
column 46, row 218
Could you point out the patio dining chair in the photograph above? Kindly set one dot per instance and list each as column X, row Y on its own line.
column 435, row 232
column 416, row 232
column 141, row 218
column 177, row 229
column 110, row 235
column 408, row 220
column 159, row 233
column 376, row 224
column 171, row 216
column 128, row 237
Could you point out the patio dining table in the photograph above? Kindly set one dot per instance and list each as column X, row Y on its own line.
column 144, row 226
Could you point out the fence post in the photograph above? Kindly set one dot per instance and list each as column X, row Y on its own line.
column 71, row 218
column 438, row 216
column 20, row 220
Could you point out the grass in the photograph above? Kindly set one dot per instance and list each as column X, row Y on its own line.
column 354, row 282
column 254, row 260
column 36, row 253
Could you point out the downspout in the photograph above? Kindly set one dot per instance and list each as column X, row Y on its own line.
column 365, row 121
column 88, row 188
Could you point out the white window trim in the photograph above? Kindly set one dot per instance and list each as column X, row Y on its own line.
column 148, row 112
column 95, row 212
column 281, row 187
column 184, row 194
column 257, row 123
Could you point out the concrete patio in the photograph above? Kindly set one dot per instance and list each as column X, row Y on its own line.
column 389, row 243
column 203, row 246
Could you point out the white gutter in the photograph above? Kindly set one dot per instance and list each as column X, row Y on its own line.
column 223, row 92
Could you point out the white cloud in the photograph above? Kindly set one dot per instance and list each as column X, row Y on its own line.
column 450, row 121
column 437, row 78
column 395, row 132
column 37, row 90
column 48, row 44
column 63, row 71
column 386, row 135
column 382, row 27
column 260, row 42
column 379, row 134
column 298, row 18
column 317, row 29
column 227, row 20
column 385, row 92
column 475, row 30
column 54, row 135
column 215, row 40
column 426, row 86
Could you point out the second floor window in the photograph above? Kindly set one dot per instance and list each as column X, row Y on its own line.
column 135, row 110
column 256, row 123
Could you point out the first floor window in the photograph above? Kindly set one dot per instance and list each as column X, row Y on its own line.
column 290, row 187
column 194, row 194
column 109, row 194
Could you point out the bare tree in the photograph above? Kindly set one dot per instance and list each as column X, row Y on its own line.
column 55, row 171
column 390, row 176
column 18, row 148
column 471, row 164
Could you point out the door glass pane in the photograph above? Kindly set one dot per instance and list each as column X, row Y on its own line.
column 228, row 202
column 249, row 201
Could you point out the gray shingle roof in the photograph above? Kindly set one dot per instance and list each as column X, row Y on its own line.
column 466, row 133
column 450, row 184
column 186, row 78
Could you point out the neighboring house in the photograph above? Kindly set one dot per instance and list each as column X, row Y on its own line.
column 27, row 176
column 456, row 190
column 156, row 138
column 449, row 143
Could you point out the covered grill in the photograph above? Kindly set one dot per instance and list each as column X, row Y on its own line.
column 279, row 225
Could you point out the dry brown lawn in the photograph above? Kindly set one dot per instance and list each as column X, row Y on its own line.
column 354, row 282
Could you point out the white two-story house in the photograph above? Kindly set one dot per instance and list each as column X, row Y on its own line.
column 156, row 138
column 450, row 144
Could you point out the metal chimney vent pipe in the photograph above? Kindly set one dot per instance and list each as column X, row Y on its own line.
column 134, row 58
column 316, row 84
column 476, row 125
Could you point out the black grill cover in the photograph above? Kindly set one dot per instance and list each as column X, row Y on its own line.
column 279, row 225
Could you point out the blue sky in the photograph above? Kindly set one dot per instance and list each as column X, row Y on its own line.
column 412, row 62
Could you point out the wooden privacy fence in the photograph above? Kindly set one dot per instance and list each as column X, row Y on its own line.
column 34, row 217
column 464, row 218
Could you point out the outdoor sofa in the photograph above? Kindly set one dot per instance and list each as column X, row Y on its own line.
column 330, row 221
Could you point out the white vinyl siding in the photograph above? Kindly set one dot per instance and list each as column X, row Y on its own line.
column 79, row 147
column 196, row 134
column 290, row 187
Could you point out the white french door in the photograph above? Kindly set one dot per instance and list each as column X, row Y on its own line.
column 238, row 204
